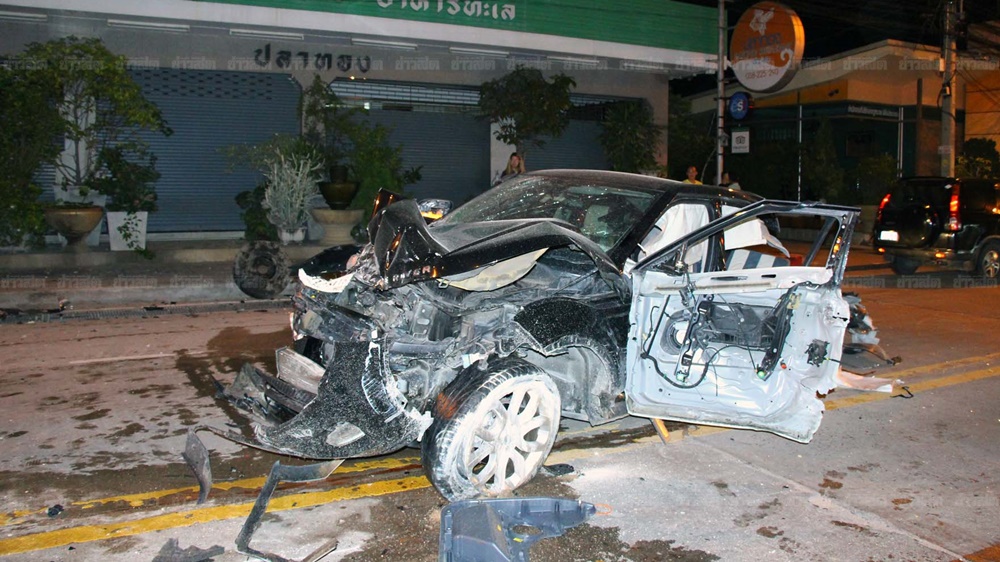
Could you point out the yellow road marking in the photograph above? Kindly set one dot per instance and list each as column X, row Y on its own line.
column 138, row 500
column 87, row 533
column 988, row 554
column 942, row 366
column 866, row 397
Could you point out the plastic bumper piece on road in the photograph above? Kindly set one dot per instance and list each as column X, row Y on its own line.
column 481, row 530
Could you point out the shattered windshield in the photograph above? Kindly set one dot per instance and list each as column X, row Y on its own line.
column 603, row 213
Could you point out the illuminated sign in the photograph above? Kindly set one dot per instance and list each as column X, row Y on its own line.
column 767, row 46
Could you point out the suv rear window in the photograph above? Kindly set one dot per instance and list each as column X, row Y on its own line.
column 935, row 192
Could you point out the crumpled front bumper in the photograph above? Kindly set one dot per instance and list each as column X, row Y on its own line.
column 354, row 414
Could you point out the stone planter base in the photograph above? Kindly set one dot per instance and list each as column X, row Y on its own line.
column 337, row 225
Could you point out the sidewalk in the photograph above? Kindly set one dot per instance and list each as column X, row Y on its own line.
column 181, row 273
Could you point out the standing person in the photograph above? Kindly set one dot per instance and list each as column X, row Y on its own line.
column 692, row 175
column 515, row 166
column 729, row 180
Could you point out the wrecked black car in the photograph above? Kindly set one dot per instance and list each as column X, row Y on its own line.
column 585, row 294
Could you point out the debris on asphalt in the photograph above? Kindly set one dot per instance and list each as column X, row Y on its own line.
column 55, row 510
column 561, row 469
column 171, row 552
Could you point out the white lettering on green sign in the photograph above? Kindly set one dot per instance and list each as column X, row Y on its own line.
column 468, row 8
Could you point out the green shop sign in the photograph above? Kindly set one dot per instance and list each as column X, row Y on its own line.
column 650, row 23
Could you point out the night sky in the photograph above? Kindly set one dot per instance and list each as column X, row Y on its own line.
column 835, row 26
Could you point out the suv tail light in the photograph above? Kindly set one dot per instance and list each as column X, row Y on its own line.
column 885, row 201
column 954, row 220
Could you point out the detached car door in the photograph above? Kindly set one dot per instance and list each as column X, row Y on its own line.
column 728, row 328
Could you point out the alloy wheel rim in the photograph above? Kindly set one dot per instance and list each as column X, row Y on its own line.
column 991, row 264
column 515, row 429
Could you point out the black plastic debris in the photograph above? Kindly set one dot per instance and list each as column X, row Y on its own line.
column 196, row 456
column 171, row 552
column 559, row 469
column 280, row 473
column 55, row 510
column 503, row 530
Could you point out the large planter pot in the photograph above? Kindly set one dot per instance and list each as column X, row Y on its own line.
column 72, row 194
column 338, row 194
column 337, row 225
column 127, row 231
column 74, row 223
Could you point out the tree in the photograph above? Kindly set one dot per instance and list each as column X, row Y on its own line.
column 875, row 175
column 690, row 138
column 979, row 159
column 29, row 121
column 630, row 137
column 102, row 106
column 822, row 176
column 526, row 106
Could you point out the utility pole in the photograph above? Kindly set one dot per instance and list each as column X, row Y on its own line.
column 947, row 147
column 720, row 94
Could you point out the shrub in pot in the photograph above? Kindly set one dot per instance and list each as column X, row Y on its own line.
column 127, row 179
column 292, row 178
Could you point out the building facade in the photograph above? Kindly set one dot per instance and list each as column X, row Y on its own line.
column 880, row 100
column 231, row 71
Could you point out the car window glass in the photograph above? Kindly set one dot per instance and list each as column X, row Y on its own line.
column 603, row 213
column 933, row 191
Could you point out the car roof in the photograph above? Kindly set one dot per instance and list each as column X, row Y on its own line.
column 654, row 183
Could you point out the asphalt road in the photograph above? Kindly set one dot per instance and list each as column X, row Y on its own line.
column 95, row 414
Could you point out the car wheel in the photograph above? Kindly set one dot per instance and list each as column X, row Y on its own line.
column 989, row 261
column 904, row 266
column 490, row 438
column 261, row 270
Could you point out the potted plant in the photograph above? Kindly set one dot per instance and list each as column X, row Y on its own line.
column 329, row 127
column 127, row 180
column 101, row 107
column 292, row 177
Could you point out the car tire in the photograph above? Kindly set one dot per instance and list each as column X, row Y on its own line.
column 490, row 438
column 261, row 270
column 904, row 266
column 988, row 264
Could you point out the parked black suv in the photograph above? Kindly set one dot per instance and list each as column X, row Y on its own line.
column 945, row 221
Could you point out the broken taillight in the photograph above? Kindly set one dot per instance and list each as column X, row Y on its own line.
column 885, row 201
column 954, row 220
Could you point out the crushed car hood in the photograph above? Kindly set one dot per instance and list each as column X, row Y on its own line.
column 407, row 250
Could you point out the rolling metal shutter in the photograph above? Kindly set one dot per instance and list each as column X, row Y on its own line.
column 578, row 147
column 208, row 111
column 453, row 148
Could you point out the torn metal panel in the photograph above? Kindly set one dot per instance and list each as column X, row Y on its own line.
column 407, row 250
column 494, row 530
